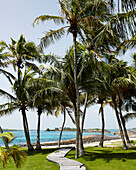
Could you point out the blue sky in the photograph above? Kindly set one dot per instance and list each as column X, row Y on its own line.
column 16, row 18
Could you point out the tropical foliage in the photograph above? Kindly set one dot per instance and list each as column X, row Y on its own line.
column 89, row 73
column 15, row 153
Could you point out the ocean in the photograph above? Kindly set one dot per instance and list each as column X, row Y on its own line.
column 49, row 136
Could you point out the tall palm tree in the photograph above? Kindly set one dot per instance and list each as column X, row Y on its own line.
column 68, row 81
column 42, row 93
column 74, row 15
column 20, row 101
column 21, row 53
column 104, row 80
column 120, row 70
column 101, row 91
column 124, row 86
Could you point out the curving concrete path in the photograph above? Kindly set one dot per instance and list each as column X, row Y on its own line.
column 65, row 164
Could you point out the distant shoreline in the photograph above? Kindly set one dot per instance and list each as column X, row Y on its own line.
column 86, row 139
column 70, row 129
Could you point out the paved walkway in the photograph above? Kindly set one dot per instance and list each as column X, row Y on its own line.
column 65, row 163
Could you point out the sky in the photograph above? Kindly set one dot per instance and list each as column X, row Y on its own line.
column 16, row 18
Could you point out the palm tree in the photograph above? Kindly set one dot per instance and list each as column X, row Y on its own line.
column 101, row 92
column 76, row 14
column 21, row 53
column 42, row 94
column 58, row 99
column 105, row 77
column 124, row 87
column 19, row 101
column 119, row 122
column 120, row 70
column 66, row 106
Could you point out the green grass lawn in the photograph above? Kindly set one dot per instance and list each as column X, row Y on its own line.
column 107, row 158
column 96, row 158
column 36, row 160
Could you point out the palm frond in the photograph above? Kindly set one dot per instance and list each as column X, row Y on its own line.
column 127, row 5
column 129, row 116
column 8, row 135
column 110, row 102
column 4, row 158
column 122, row 84
column 3, row 44
column 51, row 36
column 70, row 115
column 56, row 19
column 8, row 108
column 18, row 155
column 57, row 111
column 121, row 25
column 64, row 10
column 8, row 75
column 33, row 66
column 128, row 44
column 6, row 94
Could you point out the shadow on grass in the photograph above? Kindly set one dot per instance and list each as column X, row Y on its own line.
column 107, row 154
column 44, row 151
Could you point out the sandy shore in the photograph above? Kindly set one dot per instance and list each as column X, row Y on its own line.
column 89, row 140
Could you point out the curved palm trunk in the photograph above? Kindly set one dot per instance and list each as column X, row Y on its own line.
column 4, row 140
column 81, row 147
column 84, row 113
column 38, row 146
column 120, row 127
column 26, row 130
column 103, row 126
column 77, row 96
column 64, row 120
column 123, row 123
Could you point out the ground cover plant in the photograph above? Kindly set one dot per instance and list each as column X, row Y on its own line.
column 35, row 160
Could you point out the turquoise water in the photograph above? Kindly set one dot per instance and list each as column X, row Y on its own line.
column 49, row 136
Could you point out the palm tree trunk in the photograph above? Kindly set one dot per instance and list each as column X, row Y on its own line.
column 64, row 120
column 4, row 140
column 103, row 126
column 81, row 147
column 123, row 123
column 77, row 96
column 38, row 146
column 26, row 130
column 84, row 113
column 120, row 127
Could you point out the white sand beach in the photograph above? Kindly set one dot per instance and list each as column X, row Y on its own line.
column 107, row 143
column 89, row 141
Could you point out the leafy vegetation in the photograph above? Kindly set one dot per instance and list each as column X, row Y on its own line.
column 11, row 153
